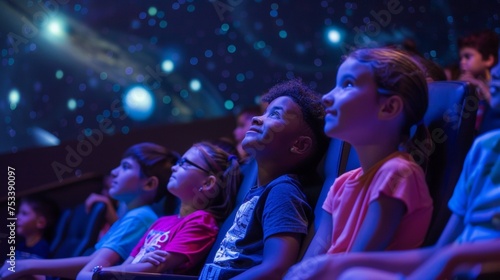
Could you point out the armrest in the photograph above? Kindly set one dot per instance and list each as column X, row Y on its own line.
column 114, row 275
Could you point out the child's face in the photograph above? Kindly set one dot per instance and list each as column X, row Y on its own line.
column 276, row 130
column 186, row 178
column 28, row 222
column 471, row 61
column 242, row 125
column 353, row 105
column 126, row 181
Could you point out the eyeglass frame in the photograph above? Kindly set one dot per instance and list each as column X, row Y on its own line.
column 183, row 160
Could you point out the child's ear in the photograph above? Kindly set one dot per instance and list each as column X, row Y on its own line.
column 210, row 183
column 301, row 145
column 489, row 61
column 151, row 183
column 391, row 107
column 41, row 222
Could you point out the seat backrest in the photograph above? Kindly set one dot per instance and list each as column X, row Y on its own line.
column 249, row 173
column 77, row 230
column 339, row 158
column 451, row 119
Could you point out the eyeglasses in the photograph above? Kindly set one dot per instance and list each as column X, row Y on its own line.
column 181, row 162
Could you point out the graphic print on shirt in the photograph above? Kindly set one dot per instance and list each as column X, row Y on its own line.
column 153, row 241
column 227, row 250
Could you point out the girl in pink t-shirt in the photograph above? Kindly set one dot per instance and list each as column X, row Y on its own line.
column 205, row 180
column 377, row 106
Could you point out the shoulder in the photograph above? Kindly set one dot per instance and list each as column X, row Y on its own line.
column 201, row 215
column 144, row 213
column 401, row 163
column 488, row 141
column 286, row 185
column 201, row 219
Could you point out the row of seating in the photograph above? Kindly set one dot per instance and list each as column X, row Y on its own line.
column 450, row 119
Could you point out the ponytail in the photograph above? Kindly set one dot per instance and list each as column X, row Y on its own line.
column 226, row 169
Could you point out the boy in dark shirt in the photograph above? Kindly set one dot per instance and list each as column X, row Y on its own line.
column 286, row 141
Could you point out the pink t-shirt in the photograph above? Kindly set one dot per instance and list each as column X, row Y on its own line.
column 192, row 236
column 396, row 176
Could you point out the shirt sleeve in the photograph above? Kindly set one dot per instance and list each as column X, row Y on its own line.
column 124, row 238
column 286, row 210
column 403, row 180
column 337, row 184
column 194, row 239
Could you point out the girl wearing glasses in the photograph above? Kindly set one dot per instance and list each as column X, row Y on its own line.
column 205, row 180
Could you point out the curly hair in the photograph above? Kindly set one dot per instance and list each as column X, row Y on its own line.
column 313, row 112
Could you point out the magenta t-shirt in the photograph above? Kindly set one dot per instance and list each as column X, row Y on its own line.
column 192, row 236
column 396, row 176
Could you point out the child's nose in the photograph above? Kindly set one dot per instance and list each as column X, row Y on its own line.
column 256, row 120
column 327, row 99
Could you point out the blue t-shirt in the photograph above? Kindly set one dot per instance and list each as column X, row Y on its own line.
column 278, row 207
column 477, row 194
column 125, row 233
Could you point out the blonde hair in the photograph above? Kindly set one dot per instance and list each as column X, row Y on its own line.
column 397, row 73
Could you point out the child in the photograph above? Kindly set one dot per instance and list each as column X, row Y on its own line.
column 380, row 95
column 138, row 181
column 243, row 122
column 205, row 180
column 114, row 210
column 35, row 222
column 266, row 235
column 471, row 236
column 478, row 54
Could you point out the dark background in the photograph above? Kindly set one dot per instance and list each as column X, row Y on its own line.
column 56, row 88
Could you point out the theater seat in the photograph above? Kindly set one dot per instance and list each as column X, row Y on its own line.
column 77, row 231
column 450, row 118
column 339, row 158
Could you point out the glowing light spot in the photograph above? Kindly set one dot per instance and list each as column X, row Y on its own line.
column 283, row 34
column 224, row 27
column 14, row 98
column 167, row 66
column 59, row 74
column 167, row 99
column 138, row 103
column 195, row 85
column 152, row 11
column 72, row 104
column 334, row 36
column 184, row 93
column 240, row 77
column 55, row 28
column 125, row 130
column 176, row 112
column 229, row 104
column 231, row 48
column 103, row 76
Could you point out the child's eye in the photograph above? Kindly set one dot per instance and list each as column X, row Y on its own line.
column 347, row 83
column 274, row 114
